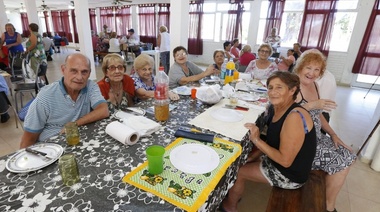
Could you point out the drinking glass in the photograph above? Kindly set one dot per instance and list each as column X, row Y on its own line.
column 69, row 169
column 72, row 133
column 155, row 154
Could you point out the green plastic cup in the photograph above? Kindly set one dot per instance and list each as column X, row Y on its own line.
column 155, row 155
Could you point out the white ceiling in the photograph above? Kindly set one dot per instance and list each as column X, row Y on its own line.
column 63, row 4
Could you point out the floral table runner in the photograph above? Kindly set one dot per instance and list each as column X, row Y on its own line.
column 187, row 191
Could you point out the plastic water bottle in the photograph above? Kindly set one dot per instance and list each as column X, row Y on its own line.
column 230, row 67
column 161, row 95
column 223, row 69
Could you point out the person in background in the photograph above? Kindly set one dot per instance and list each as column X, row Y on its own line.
column 103, row 43
column 36, row 51
column 57, row 42
column 94, row 40
column 4, row 89
column 234, row 49
column 48, row 46
column 183, row 71
column 290, row 147
column 4, row 59
column 246, row 57
column 134, row 39
column 12, row 39
column 219, row 60
column 273, row 40
column 297, row 50
column 285, row 62
column 262, row 68
column 144, row 79
column 327, row 85
column 116, row 87
column 163, row 42
column 114, row 44
column 333, row 156
column 227, row 53
column 73, row 98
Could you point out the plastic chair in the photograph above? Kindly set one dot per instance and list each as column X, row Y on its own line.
column 10, row 107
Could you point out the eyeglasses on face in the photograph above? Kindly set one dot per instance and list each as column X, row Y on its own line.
column 113, row 68
column 180, row 54
column 264, row 51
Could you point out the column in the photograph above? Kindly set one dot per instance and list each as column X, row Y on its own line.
column 3, row 17
column 31, row 9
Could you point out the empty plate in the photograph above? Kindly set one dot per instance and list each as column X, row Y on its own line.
column 227, row 115
column 248, row 97
column 182, row 90
column 194, row 158
column 23, row 162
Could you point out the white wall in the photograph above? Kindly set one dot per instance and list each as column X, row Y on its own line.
column 15, row 19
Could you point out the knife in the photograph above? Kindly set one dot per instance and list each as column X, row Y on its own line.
column 36, row 152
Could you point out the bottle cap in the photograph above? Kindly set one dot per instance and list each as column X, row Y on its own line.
column 161, row 68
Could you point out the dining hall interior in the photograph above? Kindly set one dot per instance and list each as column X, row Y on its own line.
column 352, row 36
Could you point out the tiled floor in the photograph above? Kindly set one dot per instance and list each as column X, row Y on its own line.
column 350, row 120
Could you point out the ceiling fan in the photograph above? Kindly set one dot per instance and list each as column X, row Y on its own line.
column 44, row 7
column 119, row 2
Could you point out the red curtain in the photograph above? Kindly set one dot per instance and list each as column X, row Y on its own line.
column 66, row 25
column 76, row 38
column 317, row 24
column 274, row 16
column 25, row 25
column 57, row 22
column 195, row 42
column 164, row 15
column 46, row 16
column 106, row 18
column 368, row 57
column 147, row 20
column 92, row 14
column 234, row 26
column 123, row 20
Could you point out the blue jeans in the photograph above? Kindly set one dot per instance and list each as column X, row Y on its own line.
column 165, row 60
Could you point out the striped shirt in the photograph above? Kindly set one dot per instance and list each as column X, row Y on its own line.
column 53, row 108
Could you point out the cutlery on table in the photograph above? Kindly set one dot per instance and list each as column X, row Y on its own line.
column 36, row 152
column 236, row 107
column 127, row 110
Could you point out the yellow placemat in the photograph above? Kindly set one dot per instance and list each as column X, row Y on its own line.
column 187, row 191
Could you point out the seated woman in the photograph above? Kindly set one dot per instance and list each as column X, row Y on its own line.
column 227, row 51
column 144, row 79
column 218, row 59
column 184, row 71
column 285, row 62
column 262, row 68
column 290, row 146
column 333, row 156
column 116, row 87
column 246, row 57
column 234, row 49
column 114, row 44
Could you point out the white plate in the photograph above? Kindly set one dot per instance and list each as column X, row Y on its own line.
column 23, row 162
column 182, row 90
column 248, row 97
column 227, row 115
column 194, row 158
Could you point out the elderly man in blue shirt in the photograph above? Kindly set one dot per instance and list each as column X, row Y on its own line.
column 74, row 98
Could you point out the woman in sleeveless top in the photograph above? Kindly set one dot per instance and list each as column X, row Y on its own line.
column 290, row 147
column 36, row 51
column 12, row 39
column 332, row 156
column 262, row 68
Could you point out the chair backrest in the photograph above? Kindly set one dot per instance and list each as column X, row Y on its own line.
column 290, row 69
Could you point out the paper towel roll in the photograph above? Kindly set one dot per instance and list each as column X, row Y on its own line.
column 122, row 133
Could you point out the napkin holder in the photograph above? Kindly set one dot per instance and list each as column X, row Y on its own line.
column 204, row 137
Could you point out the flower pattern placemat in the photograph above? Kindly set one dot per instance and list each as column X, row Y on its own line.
column 187, row 191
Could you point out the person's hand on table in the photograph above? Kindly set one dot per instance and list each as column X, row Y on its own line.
column 210, row 70
column 173, row 96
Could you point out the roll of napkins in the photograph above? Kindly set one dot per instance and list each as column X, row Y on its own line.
column 122, row 133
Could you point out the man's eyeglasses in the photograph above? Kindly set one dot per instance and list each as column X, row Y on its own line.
column 113, row 68
column 264, row 51
column 180, row 54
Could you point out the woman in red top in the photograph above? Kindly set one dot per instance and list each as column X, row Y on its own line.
column 116, row 87
column 234, row 49
column 246, row 56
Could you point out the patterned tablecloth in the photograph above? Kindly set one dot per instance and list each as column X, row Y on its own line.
column 187, row 191
column 103, row 162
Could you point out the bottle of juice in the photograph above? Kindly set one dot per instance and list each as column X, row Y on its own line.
column 230, row 67
column 161, row 95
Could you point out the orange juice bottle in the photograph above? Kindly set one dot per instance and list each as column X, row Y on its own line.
column 236, row 75
column 230, row 67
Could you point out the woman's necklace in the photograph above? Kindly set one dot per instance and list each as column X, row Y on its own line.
column 117, row 91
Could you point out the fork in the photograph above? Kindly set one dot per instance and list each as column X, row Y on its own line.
column 36, row 152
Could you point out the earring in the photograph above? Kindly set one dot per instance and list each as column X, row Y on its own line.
column 107, row 79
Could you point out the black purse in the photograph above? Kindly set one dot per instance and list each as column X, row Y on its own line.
column 263, row 121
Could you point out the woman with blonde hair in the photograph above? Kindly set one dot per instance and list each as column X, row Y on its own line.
column 262, row 68
column 116, row 87
column 12, row 39
column 163, row 42
column 246, row 57
column 144, row 79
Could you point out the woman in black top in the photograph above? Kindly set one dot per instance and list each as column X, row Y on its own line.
column 291, row 142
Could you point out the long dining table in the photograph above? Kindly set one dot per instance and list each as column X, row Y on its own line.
column 103, row 162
